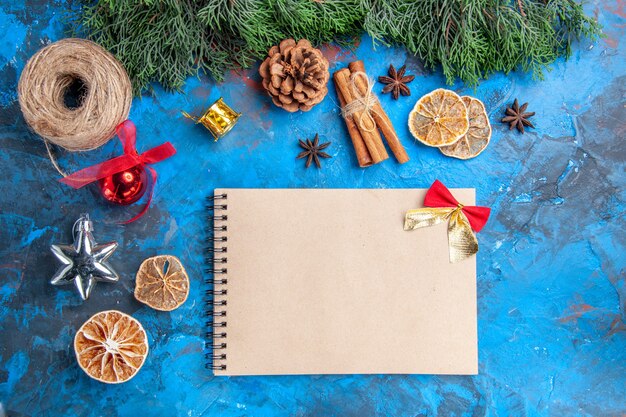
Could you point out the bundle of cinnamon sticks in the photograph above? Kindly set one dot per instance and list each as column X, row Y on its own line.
column 365, row 121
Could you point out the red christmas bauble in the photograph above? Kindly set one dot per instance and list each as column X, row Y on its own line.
column 125, row 187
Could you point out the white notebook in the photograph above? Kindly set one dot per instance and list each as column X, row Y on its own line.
column 328, row 282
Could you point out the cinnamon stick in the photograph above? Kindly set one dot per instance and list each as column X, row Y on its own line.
column 371, row 137
column 362, row 154
column 382, row 120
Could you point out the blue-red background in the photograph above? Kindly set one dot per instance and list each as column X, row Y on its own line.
column 551, row 280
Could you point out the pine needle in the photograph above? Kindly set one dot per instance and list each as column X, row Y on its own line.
column 166, row 41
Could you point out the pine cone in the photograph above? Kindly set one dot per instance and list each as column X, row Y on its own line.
column 295, row 75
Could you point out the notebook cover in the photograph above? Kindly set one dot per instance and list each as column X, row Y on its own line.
column 328, row 282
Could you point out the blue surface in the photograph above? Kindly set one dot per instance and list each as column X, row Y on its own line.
column 551, row 280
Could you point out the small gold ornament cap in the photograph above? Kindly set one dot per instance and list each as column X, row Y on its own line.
column 219, row 118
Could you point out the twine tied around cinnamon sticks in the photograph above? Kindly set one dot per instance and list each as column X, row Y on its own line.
column 363, row 103
column 359, row 103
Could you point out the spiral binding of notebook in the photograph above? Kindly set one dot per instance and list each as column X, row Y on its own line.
column 217, row 249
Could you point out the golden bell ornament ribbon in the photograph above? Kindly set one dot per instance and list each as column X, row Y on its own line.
column 219, row 118
column 462, row 220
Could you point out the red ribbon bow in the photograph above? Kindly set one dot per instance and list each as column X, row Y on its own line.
column 439, row 196
column 127, row 133
column 462, row 220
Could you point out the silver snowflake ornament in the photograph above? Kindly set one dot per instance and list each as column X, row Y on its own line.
column 84, row 262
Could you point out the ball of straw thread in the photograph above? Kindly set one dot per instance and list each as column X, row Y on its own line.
column 105, row 94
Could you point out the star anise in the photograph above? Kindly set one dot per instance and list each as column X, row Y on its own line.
column 517, row 116
column 313, row 151
column 396, row 82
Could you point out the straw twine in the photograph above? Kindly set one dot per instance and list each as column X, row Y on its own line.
column 362, row 102
column 104, row 101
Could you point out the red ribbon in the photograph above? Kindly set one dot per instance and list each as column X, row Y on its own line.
column 127, row 133
column 439, row 196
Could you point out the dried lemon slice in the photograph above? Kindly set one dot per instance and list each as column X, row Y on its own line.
column 477, row 137
column 111, row 347
column 439, row 118
column 162, row 283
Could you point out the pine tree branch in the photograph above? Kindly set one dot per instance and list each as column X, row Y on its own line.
column 166, row 41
